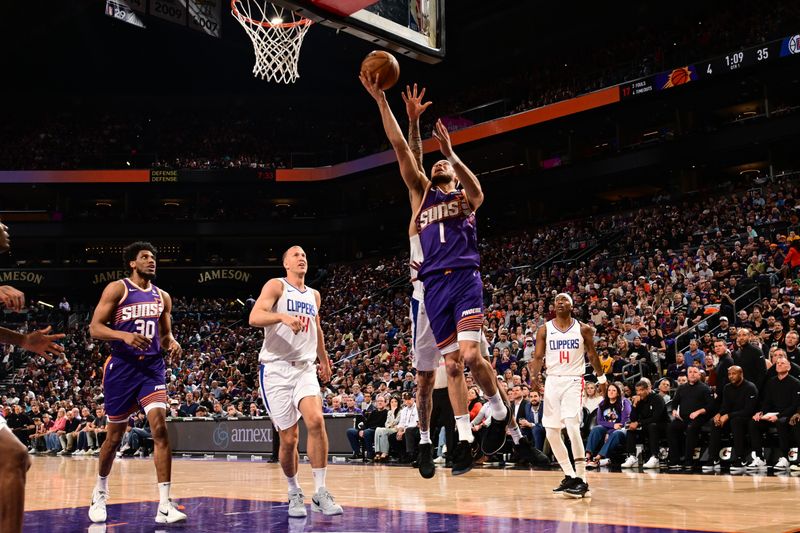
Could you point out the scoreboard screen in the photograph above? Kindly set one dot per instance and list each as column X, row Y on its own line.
column 731, row 62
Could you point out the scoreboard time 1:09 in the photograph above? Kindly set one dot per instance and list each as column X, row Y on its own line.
column 736, row 60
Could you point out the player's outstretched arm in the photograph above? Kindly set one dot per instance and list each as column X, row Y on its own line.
column 536, row 362
column 587, row 332
column 262, row 314
column 165, row 327
column 104, row 313
column 325, row 370
column 468, row 180
column 413, row 178
column 40, row 341
column 414, row 109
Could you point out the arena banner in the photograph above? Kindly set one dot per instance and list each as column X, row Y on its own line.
column 171, row 10
column 74, row 176
column 206, row 16
column 244, row 279
column 126, row 11
column 246, row 435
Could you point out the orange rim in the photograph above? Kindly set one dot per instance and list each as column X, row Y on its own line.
column 267, row 24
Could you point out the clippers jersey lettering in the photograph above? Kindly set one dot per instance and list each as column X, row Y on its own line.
column 280, row 342
column 448, row 232
column 138, row 312
column 564, row 350
column 415, row 258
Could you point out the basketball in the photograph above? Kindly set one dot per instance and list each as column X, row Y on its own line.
column 384, row 65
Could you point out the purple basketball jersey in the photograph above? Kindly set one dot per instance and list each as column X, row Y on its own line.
column 447, row 231
column 138, row 312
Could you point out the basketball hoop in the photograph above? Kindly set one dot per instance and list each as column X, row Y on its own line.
column 276, row 40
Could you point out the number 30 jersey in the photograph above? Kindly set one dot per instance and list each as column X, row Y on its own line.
column 138, row 312
column 564, row 352
column 283, row 344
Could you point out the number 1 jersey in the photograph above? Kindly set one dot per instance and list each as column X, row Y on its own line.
column 138, row 312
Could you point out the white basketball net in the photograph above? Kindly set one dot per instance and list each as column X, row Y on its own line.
column 277, row 38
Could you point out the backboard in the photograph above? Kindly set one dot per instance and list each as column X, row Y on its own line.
column 414, row 28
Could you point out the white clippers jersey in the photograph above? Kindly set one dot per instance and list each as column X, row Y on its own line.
column 416, row 256
column 280, row 342
column 564, row 352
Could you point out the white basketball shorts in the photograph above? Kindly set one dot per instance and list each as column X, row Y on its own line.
column 426, row 353
column 282, row 386
column 563, row 398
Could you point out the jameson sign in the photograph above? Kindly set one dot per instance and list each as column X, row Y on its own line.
column 222, row 273
column 172, row 279
column 21, row 276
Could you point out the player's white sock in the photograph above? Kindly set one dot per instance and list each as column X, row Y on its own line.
column 102, row 483
column 515, row 433
column 578, row 450
column 294, row 482
column 425, row 437
column 163, row 493
column 464, row 428
column 319, row 478
column 560, row 451
column 499, row 410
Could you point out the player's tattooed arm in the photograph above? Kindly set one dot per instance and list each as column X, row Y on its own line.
column 415, row 108
column 413, row 178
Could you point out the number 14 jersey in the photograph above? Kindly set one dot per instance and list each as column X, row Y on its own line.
column 565, row 351
column 283, row 344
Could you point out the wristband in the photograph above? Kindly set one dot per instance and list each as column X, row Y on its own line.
column 602, row 379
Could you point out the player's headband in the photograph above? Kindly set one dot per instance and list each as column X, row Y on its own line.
column 565, row 295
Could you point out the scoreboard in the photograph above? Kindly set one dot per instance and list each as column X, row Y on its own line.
column 731, row 62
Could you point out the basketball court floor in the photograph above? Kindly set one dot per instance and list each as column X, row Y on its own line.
column 241, row 495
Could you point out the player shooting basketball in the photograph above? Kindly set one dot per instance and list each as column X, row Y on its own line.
column 444, row 225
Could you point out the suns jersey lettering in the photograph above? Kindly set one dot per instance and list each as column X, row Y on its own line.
column 564, row 353
column 448, row 232
column 280, row 342
column 139, row 311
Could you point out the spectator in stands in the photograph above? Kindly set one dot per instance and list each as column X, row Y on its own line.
column 749, row 358
column 613, row 414
column 665, row 389
column 677, row 368
column 792, row 351
column 388, row 430
column 694, row 353
column 407, row 427
column 780, row 399
column 43, row 425
column 189, row 407
column 531, row 424
column 52, row 438
column 21, row 425
column 691, row 408
column 648, row 424
column 97, row 435
column 362, row 437
column 725, row 361
column 69, row 434
column 739, row 404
